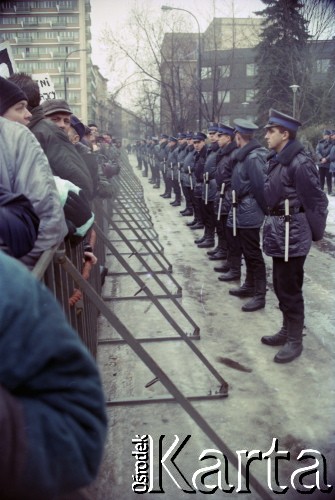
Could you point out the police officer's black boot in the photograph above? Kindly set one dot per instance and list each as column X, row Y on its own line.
column 198, row 215
column 247, row 289
column 192, row 223
column 234, row 273
column 208, row 242
column 188, row 210
column 221, row 251
column 202, row 238
column 279, row 338
column 210, row 235
column 168, row 188
column 258, row 300
column 224, row 267
column 293, row 346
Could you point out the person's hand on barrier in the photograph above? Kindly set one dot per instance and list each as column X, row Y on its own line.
column 90, row 257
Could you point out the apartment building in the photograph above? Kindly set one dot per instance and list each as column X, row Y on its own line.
column 53, row 37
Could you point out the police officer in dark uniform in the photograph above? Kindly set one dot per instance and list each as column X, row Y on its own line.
column 180, row 155
column 209, row 189
column 156, row 163
column 247, row 184
column 224, row 161
column 292, row 180
column 200, row 154
column 163, row 154
column 171, row 173
column 186, row 174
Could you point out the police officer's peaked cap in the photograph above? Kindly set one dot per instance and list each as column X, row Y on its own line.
column 278, row 118
column 199, row 136
column 212, row 127
column 332, row 132
column 226, row 129
column 327, row 132
column 189, row 135
column 181, row 135
column 164, row 136
column 173, row 139
column 244, row 126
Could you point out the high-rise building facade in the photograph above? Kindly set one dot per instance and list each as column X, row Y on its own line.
column 53, row 37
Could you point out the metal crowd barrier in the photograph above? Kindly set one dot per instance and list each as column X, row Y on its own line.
column 77, row 286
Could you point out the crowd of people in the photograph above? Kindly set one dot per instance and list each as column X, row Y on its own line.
column 52, row 167
column 52, row 408
column 237, row 190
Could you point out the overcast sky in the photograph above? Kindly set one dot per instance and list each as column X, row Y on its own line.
column 114, row 13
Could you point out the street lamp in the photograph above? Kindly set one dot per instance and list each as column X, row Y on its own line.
column 167, row 7
column 64, row 68
column 294, row 90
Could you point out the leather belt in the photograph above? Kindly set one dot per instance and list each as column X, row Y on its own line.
column 281, row 211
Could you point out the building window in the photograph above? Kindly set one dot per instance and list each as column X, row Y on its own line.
column 8, row 20
column 207, row 97
column 224, row 71
column 322, row 65
column 206, row 72
column 251, row 69
column 250, row 95
column 223, row 96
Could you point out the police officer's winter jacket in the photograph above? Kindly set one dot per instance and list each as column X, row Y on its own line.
column 188, row 162
column 293, row 175
column 210, row 169
column 224, row 168
column 322, row 151
column 248, row 182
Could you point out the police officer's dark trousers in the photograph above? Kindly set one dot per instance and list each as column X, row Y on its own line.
column 288, row 280
column 255, row 267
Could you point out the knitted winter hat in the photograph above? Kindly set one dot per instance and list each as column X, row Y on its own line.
column 10, row 94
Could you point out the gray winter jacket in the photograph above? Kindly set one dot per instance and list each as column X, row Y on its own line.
column 293, row 175
column 24, row 169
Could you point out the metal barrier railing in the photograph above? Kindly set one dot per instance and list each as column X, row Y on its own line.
column 77, row 286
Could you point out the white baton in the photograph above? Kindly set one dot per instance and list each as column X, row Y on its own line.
column 178, row 172
column 221, row 199
column 234, row 211
column 191, row 180
column 206, row 188
column 287, row 228
column 164, row 166
column 172, row 177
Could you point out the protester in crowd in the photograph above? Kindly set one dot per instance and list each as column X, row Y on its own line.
column 18, row 224
column 322, row 151
column 247, row 213
column 52, row 411
column 94, row 137
column 297, row 215
column 62, row 156
column 24, row 170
